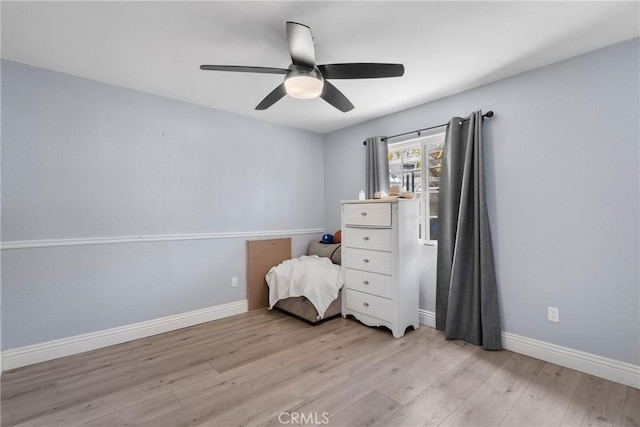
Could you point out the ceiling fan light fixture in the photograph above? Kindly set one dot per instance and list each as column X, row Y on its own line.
column 303, row 83
column 303, row 87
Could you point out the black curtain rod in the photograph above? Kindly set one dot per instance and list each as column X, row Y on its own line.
column 487, row 114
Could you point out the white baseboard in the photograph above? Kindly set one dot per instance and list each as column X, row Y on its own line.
column 603, row 367
column 28, row 355
column 427, row 318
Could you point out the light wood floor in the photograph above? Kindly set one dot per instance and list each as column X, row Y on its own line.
column 266, row 368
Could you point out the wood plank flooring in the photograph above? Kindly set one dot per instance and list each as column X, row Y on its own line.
column 265, row 368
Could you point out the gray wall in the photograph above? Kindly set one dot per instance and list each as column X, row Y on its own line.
column 562, row 165
column 82, row 159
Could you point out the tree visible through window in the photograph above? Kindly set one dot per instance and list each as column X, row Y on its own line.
column 415, row 165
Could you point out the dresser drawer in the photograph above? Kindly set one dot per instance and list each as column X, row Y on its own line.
column 368, row 214
column 368, row 304
column 371, row 283
column 363, row 259
column 378, row 239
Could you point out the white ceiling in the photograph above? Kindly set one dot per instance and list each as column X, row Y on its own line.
column 446, row 47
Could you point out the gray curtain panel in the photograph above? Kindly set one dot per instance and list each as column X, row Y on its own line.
column 466, row 290
column 377, row 166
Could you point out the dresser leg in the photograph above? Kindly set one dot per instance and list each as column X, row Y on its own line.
column 397, row 333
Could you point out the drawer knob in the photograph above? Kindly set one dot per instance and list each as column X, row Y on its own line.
column 366, row 282
column 363, row 213
column 366, row 238
column 366, row 261
column 366, row 304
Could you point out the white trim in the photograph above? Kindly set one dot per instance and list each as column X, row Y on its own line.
column 603, row 367
column 36, row 353
column 427, row 318
column 47, row 243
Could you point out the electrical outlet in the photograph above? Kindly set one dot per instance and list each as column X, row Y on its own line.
column 553, row 314
column 234, row 282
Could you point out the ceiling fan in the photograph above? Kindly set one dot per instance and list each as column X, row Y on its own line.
column 304, row 79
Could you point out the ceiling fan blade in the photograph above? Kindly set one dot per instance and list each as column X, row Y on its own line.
column 333, row 96
column 301, row 44
column 272, row 98
column 361, row 70
column 243, row 69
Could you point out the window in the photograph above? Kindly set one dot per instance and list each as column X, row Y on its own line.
column 415, row 165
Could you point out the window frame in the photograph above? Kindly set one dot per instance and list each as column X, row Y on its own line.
column 425, row 142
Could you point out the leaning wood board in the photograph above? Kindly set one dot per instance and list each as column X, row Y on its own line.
column 261, row 256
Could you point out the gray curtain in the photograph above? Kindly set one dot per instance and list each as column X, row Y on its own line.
column 466, row 290
column 377, row 166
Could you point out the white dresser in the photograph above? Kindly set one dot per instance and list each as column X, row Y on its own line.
column 380, row 263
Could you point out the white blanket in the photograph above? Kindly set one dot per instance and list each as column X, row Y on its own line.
column 314, row 277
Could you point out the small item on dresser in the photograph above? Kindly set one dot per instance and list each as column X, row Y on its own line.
column 361, row 196
column 379, row 195
column 407, row 195
column 394, row 192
